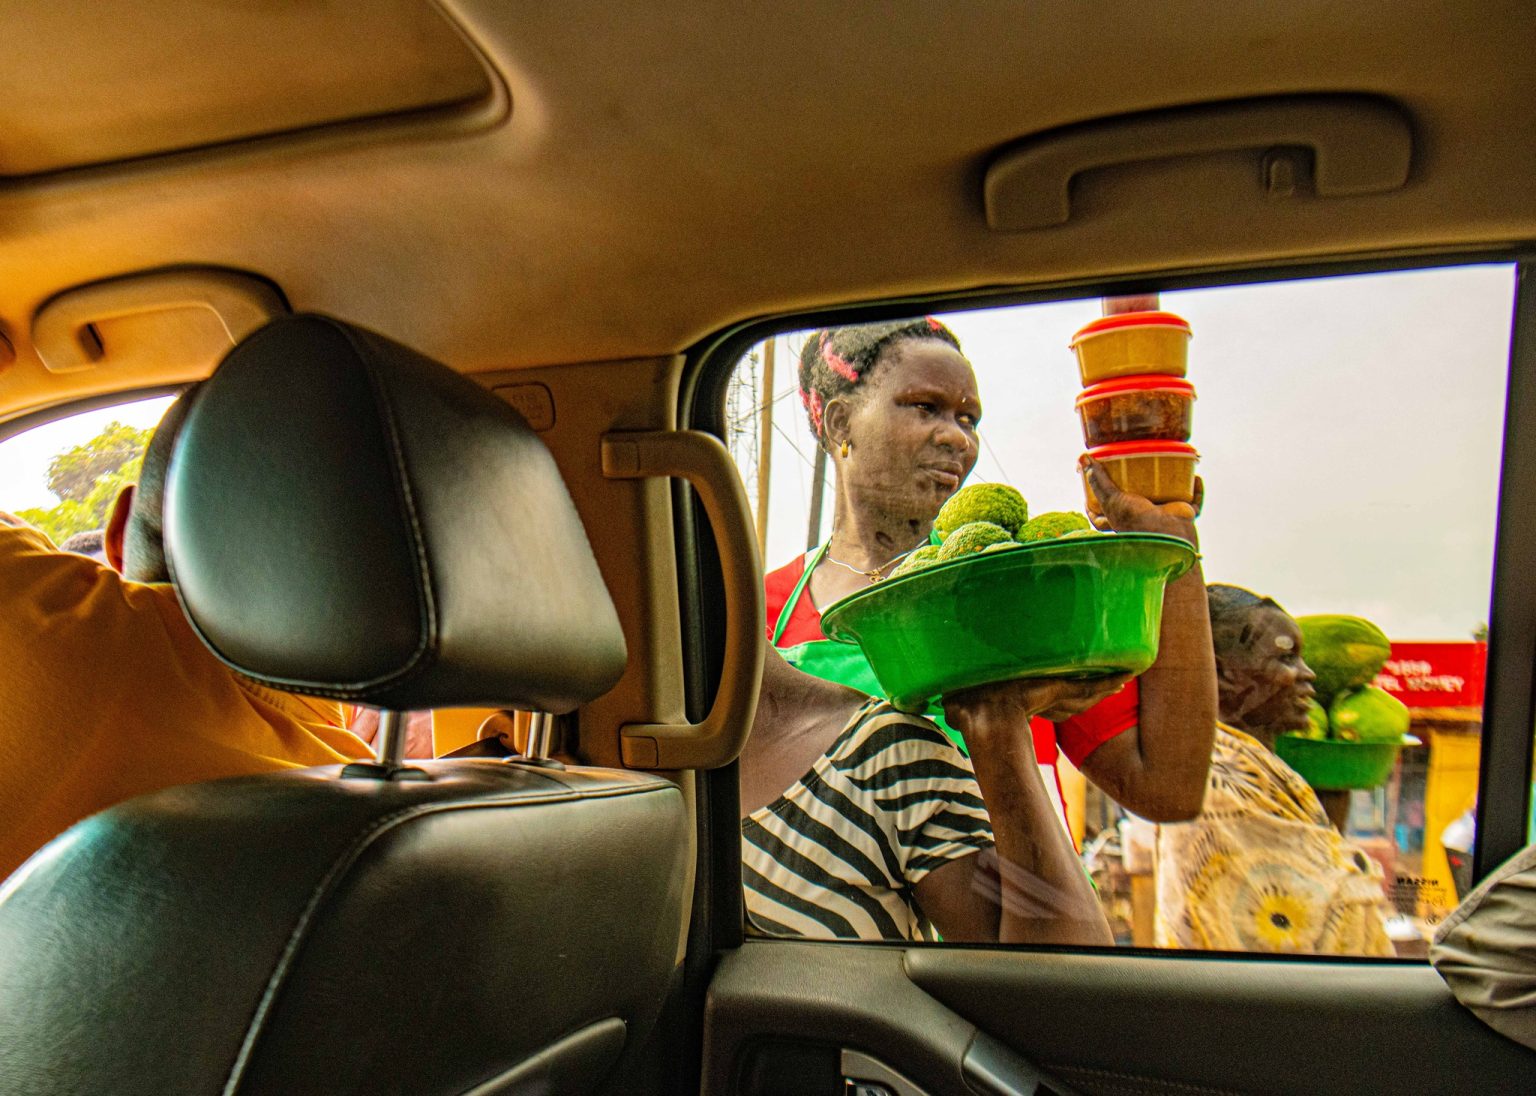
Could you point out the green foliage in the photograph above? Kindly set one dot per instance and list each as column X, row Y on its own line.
column 87, row 478
column 75, row 474
column 996, row 503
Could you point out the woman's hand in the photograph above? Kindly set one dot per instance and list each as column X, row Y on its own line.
column 1007, row 706
column 1123, row 512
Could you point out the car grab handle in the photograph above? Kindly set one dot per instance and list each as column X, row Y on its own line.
column 705, row 463
column 1360, row 145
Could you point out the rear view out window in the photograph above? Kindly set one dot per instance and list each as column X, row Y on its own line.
column 1346, row 433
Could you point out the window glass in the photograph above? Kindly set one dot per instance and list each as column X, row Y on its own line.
column 62, row 477
column 1348, row 432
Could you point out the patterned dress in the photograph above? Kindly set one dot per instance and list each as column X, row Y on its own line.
column 1261, row 868
column 837, row 855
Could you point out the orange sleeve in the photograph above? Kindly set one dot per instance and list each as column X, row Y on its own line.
column 1082, row 734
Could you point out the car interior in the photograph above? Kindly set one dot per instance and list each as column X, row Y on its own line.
column 479, row 276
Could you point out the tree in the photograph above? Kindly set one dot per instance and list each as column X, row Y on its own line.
column 87, row 478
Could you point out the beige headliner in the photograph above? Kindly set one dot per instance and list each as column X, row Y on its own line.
column 667, row 170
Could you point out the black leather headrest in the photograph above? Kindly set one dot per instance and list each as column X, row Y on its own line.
column 348, row 518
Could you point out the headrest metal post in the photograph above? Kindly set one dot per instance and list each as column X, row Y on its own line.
column 541, row 729
column 389, row 744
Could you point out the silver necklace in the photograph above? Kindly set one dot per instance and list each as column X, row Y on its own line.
column 877, row 573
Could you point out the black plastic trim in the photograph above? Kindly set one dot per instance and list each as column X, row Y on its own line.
column 1509, row 704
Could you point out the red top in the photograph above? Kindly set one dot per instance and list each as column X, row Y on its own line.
column 1131, row 319
column 1142, row 382
column 1142, row 449
column 1077, row 737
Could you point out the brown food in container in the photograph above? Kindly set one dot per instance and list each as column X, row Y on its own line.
column 1144, row 408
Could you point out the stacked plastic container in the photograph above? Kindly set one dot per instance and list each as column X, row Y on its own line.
column 1137, row 408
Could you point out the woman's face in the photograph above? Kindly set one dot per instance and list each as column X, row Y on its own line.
column 912, row 431
column 1265, row 684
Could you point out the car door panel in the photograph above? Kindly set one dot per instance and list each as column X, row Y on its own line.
column 1099, row 1024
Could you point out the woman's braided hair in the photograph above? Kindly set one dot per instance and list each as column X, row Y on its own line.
column 836, row 361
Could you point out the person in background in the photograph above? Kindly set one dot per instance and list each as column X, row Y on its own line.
column 106, row 691
column 91, row 544
column 896, row 407
column 862, row 822
column 1262, row 868
column 1486, row 949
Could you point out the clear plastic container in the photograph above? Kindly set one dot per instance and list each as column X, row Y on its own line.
column 1162, row 471
column 1131, row 343
column 1141, row 408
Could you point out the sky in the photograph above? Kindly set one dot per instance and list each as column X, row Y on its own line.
column 1349, row 432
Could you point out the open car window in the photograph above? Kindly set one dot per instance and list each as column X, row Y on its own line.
column 1349, row 434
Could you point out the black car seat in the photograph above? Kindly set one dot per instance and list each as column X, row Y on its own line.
column 350, row 519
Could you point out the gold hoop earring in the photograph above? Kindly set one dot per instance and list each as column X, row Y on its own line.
column 842, row 450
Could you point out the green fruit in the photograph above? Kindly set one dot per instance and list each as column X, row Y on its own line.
column 923, row 557
column 972, row 538
column 1317, row 721
column 1057, row 523
column 1368, row 714
column 1002, row 546
column 1081, row 533
column 1344, row 652
column 996, row 503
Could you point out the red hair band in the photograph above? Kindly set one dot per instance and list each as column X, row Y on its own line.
column 812, row 402
column 836, row 362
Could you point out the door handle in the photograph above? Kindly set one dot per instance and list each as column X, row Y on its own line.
column 706, row 464
column 1360, row 145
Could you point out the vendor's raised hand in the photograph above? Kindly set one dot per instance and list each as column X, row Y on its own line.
column 1124, row 512
column 1006, row 707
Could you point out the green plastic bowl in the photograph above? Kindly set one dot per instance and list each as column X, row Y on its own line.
column 1080, row 607
column 1329, row 764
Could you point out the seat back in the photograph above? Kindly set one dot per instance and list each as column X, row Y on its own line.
column 362, row 929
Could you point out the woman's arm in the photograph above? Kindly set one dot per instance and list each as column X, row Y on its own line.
column 1029, row 889
column 1158, row 768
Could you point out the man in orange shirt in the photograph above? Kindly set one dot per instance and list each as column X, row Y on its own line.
column 107, row 693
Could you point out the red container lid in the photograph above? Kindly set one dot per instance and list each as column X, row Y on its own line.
column 1143, row 449
column 1131, row 319
column 1142, row 382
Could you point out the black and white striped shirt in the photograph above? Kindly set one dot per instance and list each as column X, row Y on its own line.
column 837, row 855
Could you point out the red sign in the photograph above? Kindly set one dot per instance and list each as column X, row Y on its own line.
column 1435, row 675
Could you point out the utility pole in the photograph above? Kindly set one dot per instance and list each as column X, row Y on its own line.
column 765, row 447
column 818, row 478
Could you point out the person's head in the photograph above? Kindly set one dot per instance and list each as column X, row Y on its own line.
column 134, row 535
column 896, row 407
column 89, row 543
column 1263, row 681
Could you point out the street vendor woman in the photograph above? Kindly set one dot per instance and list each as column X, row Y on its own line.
column 896, row 407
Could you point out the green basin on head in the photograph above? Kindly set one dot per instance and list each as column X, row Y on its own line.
column 1331, row 765
column 1080, row 607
